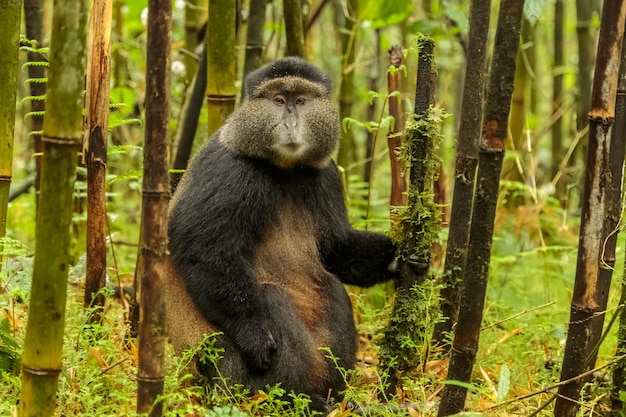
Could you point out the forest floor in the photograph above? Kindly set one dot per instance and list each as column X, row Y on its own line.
column 517, row 365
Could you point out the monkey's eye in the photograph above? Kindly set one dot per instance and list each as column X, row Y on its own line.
column 279, row 100
column 300, row 101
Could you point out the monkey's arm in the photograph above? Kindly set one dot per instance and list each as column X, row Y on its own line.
column 214, row 225
column 361, row 258
column 357, row 257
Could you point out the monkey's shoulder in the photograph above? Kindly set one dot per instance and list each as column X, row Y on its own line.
column 219, row 165
column 236, row 190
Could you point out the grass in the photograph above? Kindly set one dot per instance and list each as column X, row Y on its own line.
column 521, row 345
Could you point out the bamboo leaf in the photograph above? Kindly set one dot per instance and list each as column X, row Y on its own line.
column 504, row 382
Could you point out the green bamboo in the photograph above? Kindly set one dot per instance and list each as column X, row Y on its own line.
column 62, row 135
column 118, row 56
column 587, row 36
column 557, row 102
column 520, row 106
column 9, row 47
column 195, row 16
column 221, row 62
column 346, row 154
column 294, row 29
column 254, row 36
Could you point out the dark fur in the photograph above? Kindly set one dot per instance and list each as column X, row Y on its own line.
column 260, row 253
column 290, row 66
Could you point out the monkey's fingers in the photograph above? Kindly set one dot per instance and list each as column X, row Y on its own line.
column 259, row 349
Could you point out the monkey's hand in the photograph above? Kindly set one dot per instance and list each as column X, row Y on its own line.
column 257, row 346
column 409, row 270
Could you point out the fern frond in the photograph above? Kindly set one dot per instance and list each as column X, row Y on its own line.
column 34, row 98
column 122, row 149
column 129, row 176
column 24, row 40
column 124, row 122
column 43, row 50
column 34, row 114
column 36, row 80
column 114, row 106
column 35, row 64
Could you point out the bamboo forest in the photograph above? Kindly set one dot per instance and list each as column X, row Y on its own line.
column 312, row 207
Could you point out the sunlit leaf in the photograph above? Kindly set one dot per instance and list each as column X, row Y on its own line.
column 504, row 382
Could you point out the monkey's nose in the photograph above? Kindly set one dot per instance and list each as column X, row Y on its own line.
column 291, row 121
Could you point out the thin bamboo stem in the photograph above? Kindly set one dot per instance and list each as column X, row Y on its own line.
column 9, row 61
column 491, row 155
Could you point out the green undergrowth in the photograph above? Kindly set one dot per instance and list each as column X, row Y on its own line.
column 521, row 343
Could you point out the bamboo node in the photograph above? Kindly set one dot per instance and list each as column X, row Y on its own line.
column 221, row 98
column 150, row 379
column 602, row 118
column 5, row 178
column 62, row 141
column 41, row 371
column 156, row 193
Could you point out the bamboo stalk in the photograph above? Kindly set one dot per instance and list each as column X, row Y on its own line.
column 557, row 101
column 95, row 152
column 466, row 164
column 586, row 42
column 519, row 104
column 195, row 17
column 314, row 16
column 346, row 153
column 619, row 373
column 62, row 136
column 394, row 136
column 601, row 208
column 9, row 62
column 424, row 98
column 294, row 28
column 371, row 108
column 254, row 36
column 491, row 155
column 155, row 198
column 221, row 62
column 186, row 132
column 414, row 231
column 120, row 69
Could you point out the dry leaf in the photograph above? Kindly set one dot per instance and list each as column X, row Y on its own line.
column 95, row 353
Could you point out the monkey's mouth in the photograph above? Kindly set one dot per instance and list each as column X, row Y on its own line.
column 289, row 152
column 292, row 149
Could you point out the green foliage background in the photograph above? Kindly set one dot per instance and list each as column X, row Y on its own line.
column 533, row 257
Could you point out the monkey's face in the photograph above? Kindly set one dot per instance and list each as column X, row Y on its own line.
column 290, row 133
column 287, row 121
